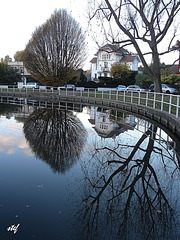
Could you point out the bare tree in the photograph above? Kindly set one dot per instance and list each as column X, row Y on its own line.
column 56, row 49
column 127, row 197
column 55, row 136
column 142, row 24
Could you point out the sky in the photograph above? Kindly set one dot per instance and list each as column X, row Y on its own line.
column 20, row 18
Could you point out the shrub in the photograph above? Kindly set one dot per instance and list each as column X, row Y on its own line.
column 143, row 80
column 171, row 79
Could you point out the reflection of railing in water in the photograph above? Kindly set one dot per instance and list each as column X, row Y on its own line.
column 72, row 106
column 162, row 138
column 116, row 116
column 40, row 104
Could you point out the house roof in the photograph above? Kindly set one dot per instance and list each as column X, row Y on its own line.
column 94, row 60
column 129, row 58
column 113, row 48
column 173, row 69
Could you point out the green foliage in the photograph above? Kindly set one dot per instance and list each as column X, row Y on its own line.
column 111, row 82
column 106, row 80
column 119, row 70
column 8, row 75
column 18, row 56
column 171, row 79
column 143, row 80
column 6, row 59
column 122, row 75
column 76, row 76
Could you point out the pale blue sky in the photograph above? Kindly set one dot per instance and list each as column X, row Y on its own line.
column 19, row 19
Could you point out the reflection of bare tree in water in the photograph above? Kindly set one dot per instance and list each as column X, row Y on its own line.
column 124, row 198
column 55, row 136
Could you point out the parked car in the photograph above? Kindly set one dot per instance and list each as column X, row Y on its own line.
column 135, row 88
column 165, row 89
column 121, row 88
column 32, row 85
column 68, row 86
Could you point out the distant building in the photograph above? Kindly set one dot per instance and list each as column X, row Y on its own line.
column 20, row 67
column 171, row 69
column 108, row 55
column 165, row 69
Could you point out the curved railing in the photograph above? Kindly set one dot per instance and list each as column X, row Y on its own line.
column 168, row 103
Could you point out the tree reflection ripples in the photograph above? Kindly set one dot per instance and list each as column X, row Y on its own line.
column 56, row 137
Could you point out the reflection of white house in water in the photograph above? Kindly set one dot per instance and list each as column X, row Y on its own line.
column 105, row 126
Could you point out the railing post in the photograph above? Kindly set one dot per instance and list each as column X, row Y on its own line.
column 95, row 93
column 88, row 92
column 170, row 104
column 154, row 103
column 66, row 91
column 147, row 98
column 109, row 94
column 131, row 97
column 102, row 94
column 162, row 101
column 177, row 107
column 117, row 95
column 139, row 93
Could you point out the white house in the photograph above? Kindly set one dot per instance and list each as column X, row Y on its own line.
column 108, row 55
column 105, row 126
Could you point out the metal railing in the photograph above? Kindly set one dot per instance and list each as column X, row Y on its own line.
column 159, row 101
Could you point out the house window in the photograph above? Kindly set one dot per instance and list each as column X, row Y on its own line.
column 105, row 64
column 103, row 126
column 105, row 56
column 21, row 70
column 104, row 119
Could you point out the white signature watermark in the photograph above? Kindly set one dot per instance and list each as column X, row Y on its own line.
column 13, row 228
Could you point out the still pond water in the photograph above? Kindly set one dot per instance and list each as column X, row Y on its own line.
column 90, row 173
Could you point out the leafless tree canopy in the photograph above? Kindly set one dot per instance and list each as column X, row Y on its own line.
column 143, row 24
column 56, row 137
column 127, row 197
column 56, row 49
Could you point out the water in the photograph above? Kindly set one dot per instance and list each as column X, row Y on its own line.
column 90, row 173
